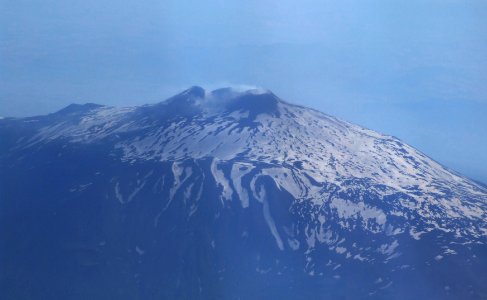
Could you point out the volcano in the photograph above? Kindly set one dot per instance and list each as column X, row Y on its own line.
column 230, row 194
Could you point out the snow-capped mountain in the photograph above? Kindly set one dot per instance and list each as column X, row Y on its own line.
column 230, row 195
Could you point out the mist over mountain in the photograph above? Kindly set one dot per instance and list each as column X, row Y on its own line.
column 230, row 194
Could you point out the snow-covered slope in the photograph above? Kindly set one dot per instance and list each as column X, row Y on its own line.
column 299, row 145
column 322, row 185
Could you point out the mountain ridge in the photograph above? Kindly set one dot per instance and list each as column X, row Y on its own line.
column 213, row 186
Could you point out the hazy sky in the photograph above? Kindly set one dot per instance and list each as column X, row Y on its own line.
column 413, row 69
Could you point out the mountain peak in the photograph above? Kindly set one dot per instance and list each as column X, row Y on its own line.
column 256, row 101
column 196, row 100
column 195, row 91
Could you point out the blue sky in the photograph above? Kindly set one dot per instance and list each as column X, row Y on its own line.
column 413, row 69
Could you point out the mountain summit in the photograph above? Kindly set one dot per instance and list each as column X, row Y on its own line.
column 230, row 194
